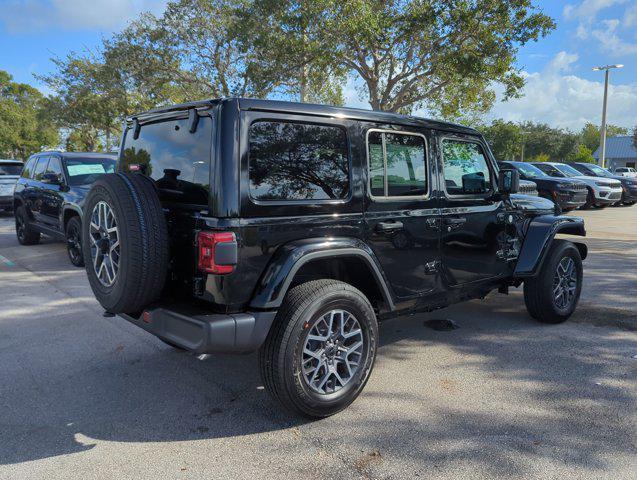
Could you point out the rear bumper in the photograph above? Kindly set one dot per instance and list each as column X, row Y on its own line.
column 207, row 333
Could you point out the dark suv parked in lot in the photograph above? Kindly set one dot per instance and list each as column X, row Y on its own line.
column 50, row 194
column 235, row 225
column 567, row 194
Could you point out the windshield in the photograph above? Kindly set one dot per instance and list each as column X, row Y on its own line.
column 84, row 171
column 568, row 170
column 10, row 169
column 529, row 171
column 602, row 172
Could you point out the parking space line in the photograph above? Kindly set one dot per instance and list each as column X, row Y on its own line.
column 6, row 261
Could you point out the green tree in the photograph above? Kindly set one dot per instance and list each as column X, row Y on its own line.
column 89, row 95
column 582, row 154
column 590, row 134
column 541, row 139
column 25, row 123
column 445, row 56
column 505, row 139
column 84, row 139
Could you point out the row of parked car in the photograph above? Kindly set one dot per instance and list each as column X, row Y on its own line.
column 53, row 185
column 575, row 185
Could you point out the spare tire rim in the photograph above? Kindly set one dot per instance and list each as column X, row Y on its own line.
column 332, row 352
column 105, row 248
column 564, row 283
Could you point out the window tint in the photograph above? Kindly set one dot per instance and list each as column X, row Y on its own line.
column 10, row 169
column 55, row 167
column 465, row 167
column 396, row 164
column 295, row 161
column 84, row 171
column 40, row 168
column 29, row 167
column 178, row 161
column 549, row 169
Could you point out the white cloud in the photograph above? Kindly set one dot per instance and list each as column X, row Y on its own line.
column 24, row 16
column 610, row 41
column 563, row 100
column 588, row 9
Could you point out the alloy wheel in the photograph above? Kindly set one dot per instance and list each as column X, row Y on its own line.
column 104, row 243
column 332, row 352
column 564, row 283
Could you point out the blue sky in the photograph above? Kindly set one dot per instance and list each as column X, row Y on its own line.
column 561, row 89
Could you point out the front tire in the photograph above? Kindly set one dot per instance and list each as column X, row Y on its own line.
column 25, row 233
column 320, row 351
column 552, row 295
column 74, row 241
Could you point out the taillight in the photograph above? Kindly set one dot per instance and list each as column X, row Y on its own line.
column 217, row 252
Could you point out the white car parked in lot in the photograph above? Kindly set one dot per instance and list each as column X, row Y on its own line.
column 626, row 171
column 10, row 171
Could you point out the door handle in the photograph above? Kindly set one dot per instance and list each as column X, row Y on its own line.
column 453, row 223
column 388, row 226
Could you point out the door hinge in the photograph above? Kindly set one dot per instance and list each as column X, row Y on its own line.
column 432, row 267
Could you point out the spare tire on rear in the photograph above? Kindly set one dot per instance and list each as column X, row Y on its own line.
column 125, row 242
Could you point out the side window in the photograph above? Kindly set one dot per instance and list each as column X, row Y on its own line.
column 55, row 167
column 27, row 172
column 465, row 168
column 40, row 168
column 298, row 161
column 397, row 166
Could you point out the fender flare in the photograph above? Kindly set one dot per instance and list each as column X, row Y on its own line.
column 289, row 258
column 65, row 208
column 539, row 236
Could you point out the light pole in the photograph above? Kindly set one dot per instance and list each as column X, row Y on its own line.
column 602, row 156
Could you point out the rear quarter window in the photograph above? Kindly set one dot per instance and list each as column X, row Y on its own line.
column 10, row 169
column 178, row 161
column 291, row 161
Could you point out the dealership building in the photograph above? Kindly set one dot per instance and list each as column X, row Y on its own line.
column 620, row 152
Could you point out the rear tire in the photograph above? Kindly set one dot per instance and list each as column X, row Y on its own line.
column 24, row 231
column 74, row 241
column 125, row 242
column 561, row 273
column 307, row 362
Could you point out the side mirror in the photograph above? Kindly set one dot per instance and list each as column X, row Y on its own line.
column 508, row 181
column 51, row 179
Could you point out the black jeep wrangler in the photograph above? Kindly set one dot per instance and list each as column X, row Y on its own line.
column 238, row 225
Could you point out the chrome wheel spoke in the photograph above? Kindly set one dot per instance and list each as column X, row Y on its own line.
column 332, row 351
column 104, row 243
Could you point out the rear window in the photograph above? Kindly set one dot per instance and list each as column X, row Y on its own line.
column 178, row 161
column 298, row 161
column 10, row 169
column 84, row 171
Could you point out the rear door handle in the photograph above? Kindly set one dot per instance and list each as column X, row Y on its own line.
column 388, row 226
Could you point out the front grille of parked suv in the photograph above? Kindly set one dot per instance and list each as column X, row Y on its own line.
column 527, row 189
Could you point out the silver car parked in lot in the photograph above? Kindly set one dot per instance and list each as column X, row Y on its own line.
column 601, row 191
column 10, row 171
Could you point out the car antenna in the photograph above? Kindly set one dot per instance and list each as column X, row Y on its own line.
column 193, row 120
column 136, row 128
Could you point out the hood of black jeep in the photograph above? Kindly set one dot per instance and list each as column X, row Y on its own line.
column 532, row 204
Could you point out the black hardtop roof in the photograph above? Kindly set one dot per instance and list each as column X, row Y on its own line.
column 112, row 155
column 307, row 109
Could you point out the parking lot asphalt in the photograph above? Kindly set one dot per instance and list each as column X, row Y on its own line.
column 82, row 396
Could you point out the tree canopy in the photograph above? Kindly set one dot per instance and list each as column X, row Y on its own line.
column 25, row 123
